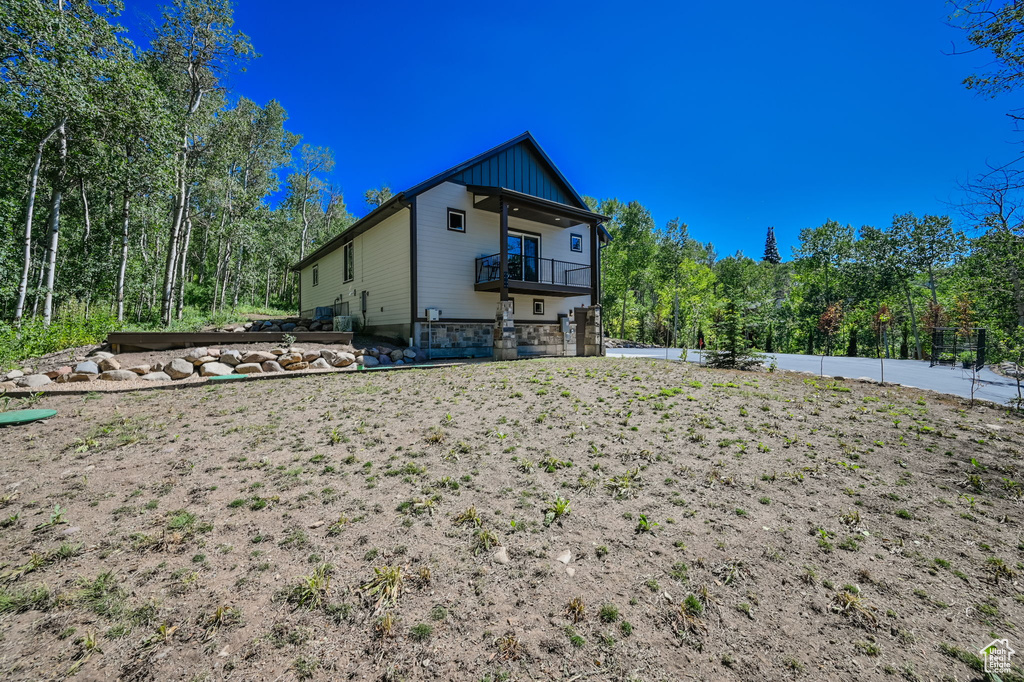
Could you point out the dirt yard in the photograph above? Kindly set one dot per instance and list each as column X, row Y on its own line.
column 592, row 519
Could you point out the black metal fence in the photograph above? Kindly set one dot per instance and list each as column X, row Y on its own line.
column 952, row 346
column 533, row 269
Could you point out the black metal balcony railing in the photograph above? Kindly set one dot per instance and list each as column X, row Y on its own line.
column 533, row 269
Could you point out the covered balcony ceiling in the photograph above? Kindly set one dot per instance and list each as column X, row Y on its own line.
column 532, row 208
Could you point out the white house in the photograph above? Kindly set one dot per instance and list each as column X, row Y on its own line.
column 496, row 256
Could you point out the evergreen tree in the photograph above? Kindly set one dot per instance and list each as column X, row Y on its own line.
column 771, row 249
column 733, row 351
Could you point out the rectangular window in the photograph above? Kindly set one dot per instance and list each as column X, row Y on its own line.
column 350, row 262
column 316, row 275
column 456, row 220
column 538, row 306
column 576, row 242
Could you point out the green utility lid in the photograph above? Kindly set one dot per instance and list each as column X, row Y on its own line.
column 230, row 377
column 24, row 416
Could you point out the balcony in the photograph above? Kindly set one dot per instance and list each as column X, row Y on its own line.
column 533, row 275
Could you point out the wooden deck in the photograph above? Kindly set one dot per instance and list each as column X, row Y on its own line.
column 123, row 342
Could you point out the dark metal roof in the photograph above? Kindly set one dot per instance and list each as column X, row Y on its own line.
column 518, row 166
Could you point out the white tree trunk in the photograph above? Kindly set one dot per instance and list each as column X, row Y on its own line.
column 180, row 303
column 124, row 256
column 19, row 309
column 170, row 265
column 58, row 193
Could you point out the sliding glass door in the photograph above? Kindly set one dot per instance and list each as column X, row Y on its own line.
column 524, row 257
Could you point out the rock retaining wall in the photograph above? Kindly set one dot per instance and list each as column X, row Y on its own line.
column 205, row 362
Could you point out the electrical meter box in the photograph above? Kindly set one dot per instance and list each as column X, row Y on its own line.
column 433, row 314
column 565, row 324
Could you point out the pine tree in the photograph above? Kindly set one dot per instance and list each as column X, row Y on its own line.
column 733, row 351
column 771, row 249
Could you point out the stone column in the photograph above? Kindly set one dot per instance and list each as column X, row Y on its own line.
column 505, row 333
column 593, row 338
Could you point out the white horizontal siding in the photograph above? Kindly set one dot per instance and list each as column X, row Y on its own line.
column 446, row 260
column 381, row 269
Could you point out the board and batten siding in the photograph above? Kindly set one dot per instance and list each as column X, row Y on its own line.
column 381, row 269
column 446, row 260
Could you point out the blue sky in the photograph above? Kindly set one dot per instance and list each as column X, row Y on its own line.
column 732, row 117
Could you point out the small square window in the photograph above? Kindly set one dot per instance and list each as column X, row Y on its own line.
column 316, row 275
column 576, row 242
column 456, row 220
column 538, row 306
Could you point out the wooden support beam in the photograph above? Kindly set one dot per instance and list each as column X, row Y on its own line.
column 504, row 250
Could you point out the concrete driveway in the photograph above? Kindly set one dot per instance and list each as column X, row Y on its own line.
column 914, row 373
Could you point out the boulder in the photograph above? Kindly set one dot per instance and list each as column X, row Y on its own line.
column 410, row 353
column 213, row 352
column 271, row 366
column 399, row 362
column 118, row 375
column 397, row 355
column 14, row 374
column 215, row 369
column 319, row 363
column 100, row 355
column 109, row 364
column 343, row 359
column 32, row 381
column 199, row 362
column 155, row 376
column 82, row 376
column 195, row 353
column 272, row 328
column 300, row 328
column 7, row 386
column 384, row 359
column 311, row 355
column 369, row 361
column 421, row 356
column 60, row 371
column 289, row 359
column 87, row 367
column 288, row 326
column 258, row 357
column 231, row 357
column 249, row 368
column 297, row 366
column 278, row 351
column 179, row 368
column 157, row 367
column 140, row 370
column 371, row 352
column 247, row 325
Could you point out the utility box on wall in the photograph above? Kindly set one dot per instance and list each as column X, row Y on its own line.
column 433, row 314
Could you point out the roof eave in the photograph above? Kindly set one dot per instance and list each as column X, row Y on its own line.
column 355, row 229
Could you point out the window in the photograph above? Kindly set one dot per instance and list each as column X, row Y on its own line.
column 576, row 242
column 456, row 220
column 350, row 262
column 538, row 306
column 316, row 275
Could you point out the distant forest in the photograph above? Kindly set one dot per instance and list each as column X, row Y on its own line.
column 137, row 190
